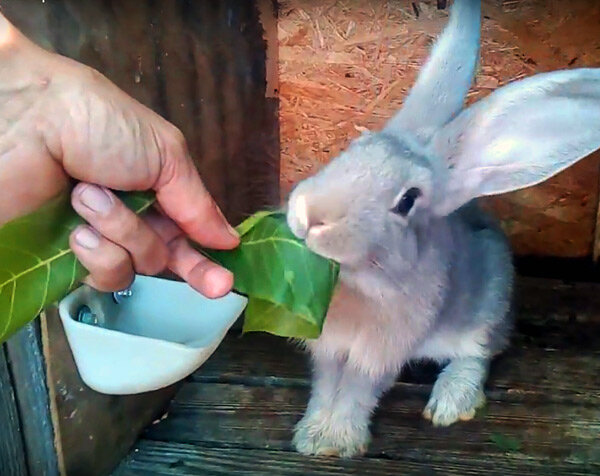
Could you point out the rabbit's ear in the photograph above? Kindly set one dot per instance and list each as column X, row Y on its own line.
column 440, row 90
column 520, row 135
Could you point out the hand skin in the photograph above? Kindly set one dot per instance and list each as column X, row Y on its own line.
column 61, row 120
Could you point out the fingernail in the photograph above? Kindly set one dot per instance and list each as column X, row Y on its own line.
column 232, row 231
column 87, row 238
column 96, row 199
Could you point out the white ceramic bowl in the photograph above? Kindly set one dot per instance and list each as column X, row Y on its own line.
column 159, row 335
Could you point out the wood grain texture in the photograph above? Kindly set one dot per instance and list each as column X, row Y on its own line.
column 158, row 458
column 263, row 417
column 28, row 370
column 211, row 70
column 12, row 453
column 545, row 300
column 237, row 413
column 256, row 360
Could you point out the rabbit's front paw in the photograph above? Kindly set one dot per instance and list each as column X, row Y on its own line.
column 452, row 400
column 320, row 435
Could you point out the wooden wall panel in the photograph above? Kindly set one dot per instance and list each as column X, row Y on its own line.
column 202, row 65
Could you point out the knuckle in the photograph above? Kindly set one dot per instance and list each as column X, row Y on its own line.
column 175, row 142
column 114, row 271
column 153, row 261
column 90, row 74
column 177, row 137
column 121, row 225
column 129, row 228
column 112, row 283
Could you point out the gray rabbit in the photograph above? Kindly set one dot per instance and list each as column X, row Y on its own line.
column 424, row 273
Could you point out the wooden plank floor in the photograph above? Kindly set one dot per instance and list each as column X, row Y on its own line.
column 236, row 414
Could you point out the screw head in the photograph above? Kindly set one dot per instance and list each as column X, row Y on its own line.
column 119, row 295
column 86, row 316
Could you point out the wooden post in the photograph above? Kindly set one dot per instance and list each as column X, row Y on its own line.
column 12, row 453
column 28, row 371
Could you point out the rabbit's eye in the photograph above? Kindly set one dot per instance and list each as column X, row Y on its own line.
column 406, row 202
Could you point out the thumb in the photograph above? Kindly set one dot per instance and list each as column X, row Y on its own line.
column 184, row 198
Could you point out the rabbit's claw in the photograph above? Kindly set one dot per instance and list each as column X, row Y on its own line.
column 324, row 437
column 452, row 400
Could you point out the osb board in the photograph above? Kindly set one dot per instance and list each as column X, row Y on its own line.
column 347, row 65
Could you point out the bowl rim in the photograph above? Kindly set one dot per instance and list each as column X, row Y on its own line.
column 65, row 315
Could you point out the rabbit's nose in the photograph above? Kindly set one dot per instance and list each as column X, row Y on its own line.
column 303, row 220
column 302, row 212
column 298, row 217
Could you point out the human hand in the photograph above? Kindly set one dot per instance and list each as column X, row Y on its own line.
column 60, row 120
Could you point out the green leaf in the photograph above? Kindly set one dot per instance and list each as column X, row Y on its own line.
column 508, row 444
column 37, row 266
column 289, row 287
column 275, row 319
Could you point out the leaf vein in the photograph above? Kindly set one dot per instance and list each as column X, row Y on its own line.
column 260, row 241
column 31, row 269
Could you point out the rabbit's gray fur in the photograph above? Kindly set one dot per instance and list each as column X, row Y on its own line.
column 435, row 284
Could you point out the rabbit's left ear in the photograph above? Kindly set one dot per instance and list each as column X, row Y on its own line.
column 440, row 90
column 520, row 135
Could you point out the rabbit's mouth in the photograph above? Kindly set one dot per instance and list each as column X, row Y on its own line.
column 316, row 231
column 330, row 241
column 319, row 239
